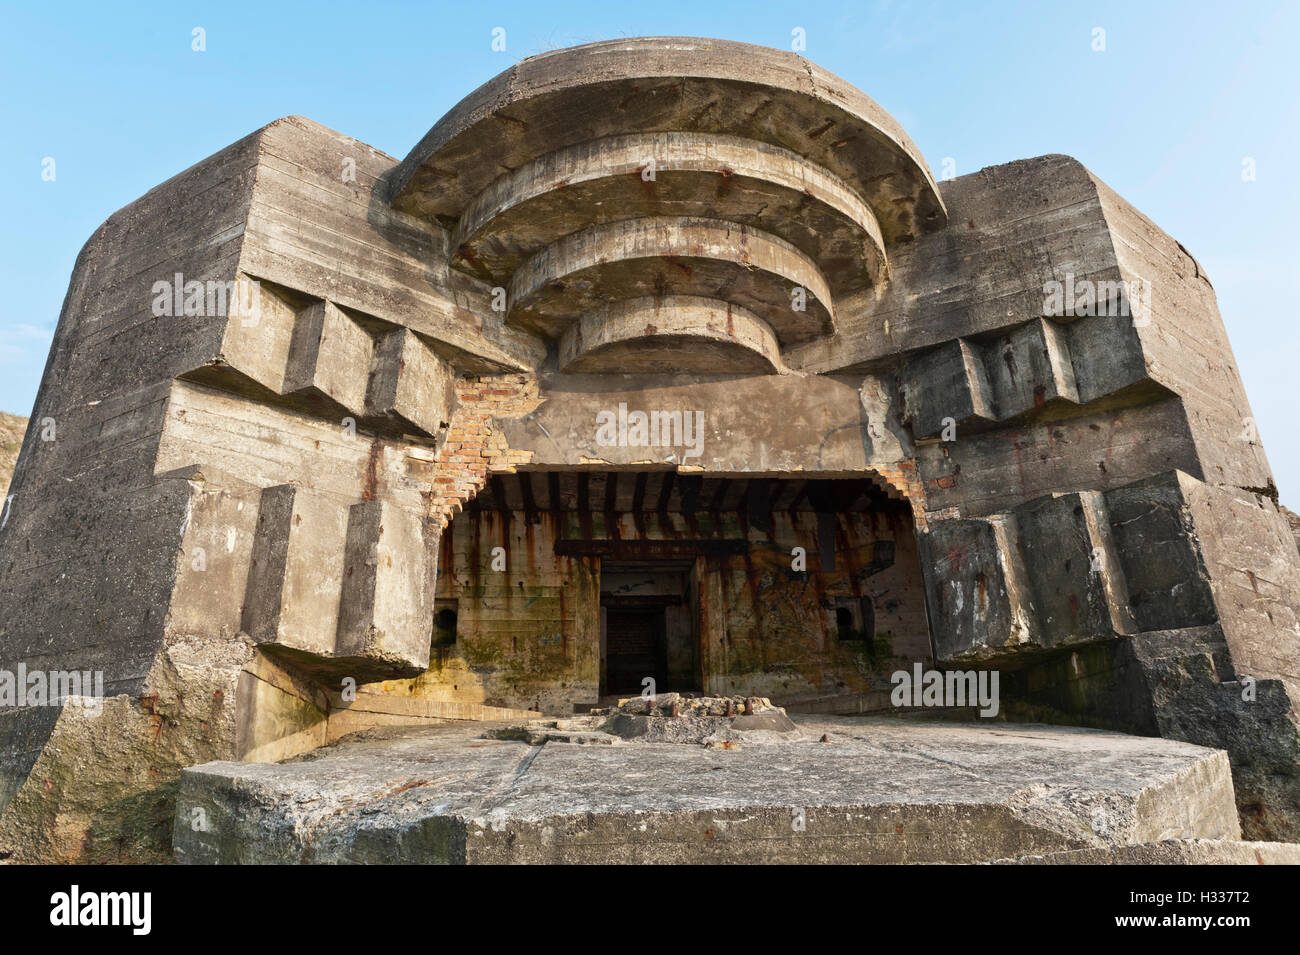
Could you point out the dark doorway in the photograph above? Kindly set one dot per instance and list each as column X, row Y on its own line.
column 635, row 648
column 648, row 625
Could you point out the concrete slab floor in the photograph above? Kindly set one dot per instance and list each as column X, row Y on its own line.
column 881, row 791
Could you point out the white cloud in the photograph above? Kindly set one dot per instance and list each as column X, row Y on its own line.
column 22, row 343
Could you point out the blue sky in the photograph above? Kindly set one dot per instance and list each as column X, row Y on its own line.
column 1182, row 94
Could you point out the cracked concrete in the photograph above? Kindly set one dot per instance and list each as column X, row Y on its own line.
column 878, row 791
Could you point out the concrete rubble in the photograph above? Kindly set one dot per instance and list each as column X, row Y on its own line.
column 668, row 718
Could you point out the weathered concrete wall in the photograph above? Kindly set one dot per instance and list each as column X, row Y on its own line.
column 318, row 224
column 1186, row 347
column 1161, row 606
column 168, row 430
column 776, row 424
column 529, row 634
column 990, row 471
column 780, row 639
column 1088, row 476
column 85, row 574
column 1179, row 684
column 1293, row 522
column 1011, row 229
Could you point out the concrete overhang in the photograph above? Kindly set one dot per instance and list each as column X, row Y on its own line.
column 671, row 167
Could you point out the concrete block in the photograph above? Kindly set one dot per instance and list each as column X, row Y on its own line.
column 948, row 382
column 386, row 613
column 411, row 383
column 1029, row 367
column 1156, row 548
column 296, row 572
column 330, row 354
column 1106, row 355
column 258, row 335
column 977, row 594
column 1067, row 571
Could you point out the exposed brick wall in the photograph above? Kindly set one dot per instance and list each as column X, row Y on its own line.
column 902, row 477
column 473, row 447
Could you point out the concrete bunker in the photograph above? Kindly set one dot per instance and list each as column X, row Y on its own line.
column 882, row 382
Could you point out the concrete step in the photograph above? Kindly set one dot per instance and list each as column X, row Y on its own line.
column 879, row 791
column 1174, row 852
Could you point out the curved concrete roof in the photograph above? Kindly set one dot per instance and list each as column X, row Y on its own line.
column 683, row 84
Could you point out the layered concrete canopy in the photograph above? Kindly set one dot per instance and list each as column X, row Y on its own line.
column 744, row 185
column 656, row 359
